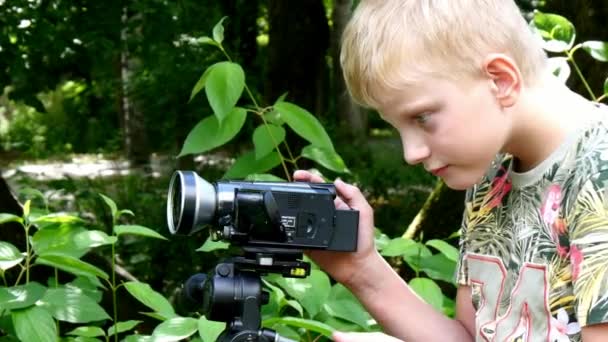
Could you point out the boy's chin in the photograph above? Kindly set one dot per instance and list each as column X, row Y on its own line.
column 461, row 183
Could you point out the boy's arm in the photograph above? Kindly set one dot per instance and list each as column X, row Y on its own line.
column 595, row 333
column 403, row 314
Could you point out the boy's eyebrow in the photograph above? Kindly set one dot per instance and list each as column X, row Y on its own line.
column 415, row 106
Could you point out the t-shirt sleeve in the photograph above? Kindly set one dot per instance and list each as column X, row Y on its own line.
column 588, row 251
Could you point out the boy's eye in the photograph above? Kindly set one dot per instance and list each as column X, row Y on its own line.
column 422, row 118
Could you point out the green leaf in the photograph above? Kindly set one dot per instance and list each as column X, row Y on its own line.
column 125, row 212
column 34, row 324
column 175, row 329
column 210, row 330
column 87, row 332
column 207, row 40
column 72, row 305
column 439, row 267
column 111, row 204
column 348, row 310
column 89, row 286
column 312, row 292
column 398, row 246
column 307, row 324
column 557, row 32
column 247, row 164
column 137, row 230
column 72, row 265
column 208, row 134
column 138, row 338
column 274, row 117
column 606, row 86
column 218, row 31
column 201, row 82
column 597, row 50
column 59, row 240
column 381, row 240
column 9, row 256
column 121, row 327
column 445, row 248
column 327, row 158
column 264, row 177
column 304, row 124
column 21, row 296
column 93, row 238
column 26, row 208
column 150, row 298
column 428, row 290
column 6, row 218
column 57, row 218
column 266, row 138
column 211, row 245
column 224, row 86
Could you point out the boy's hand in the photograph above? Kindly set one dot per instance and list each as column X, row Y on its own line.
column 344, row 267
column 363, row 337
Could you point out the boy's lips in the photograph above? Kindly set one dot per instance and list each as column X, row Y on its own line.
column 438, row 171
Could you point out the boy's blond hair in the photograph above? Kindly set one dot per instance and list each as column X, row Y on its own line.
column 390, row 43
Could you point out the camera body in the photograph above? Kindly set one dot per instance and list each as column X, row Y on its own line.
column 282, row 215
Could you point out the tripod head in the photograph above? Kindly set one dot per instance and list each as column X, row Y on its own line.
column 232, row 292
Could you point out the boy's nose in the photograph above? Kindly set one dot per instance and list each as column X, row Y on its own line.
column 415, row 152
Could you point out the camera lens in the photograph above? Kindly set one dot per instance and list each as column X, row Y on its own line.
column 191, row 203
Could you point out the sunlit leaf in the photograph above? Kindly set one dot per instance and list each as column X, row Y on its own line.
column 93, row 238
column 57, row 218
column 72, row 265
column 91, row 331
column 59, row 240
column 266, row 138
column 224, row 86
column 397, row 247
column 445, row 248
column 175, row 329
column 597, row 50
column 21, row 296
column 264, row 177
column 208, row 134
column 200, row 84
column 34, row 324
column 152, row 299
column 327, row 158
column 211, row 245
column 5, row 218
column 557, row 32
column 247, row 164
column 137, row 230
column 121, row 327
column 304, row 124
column 218, row 31
column 428, row 290
column 111, row 204
column 307, row 324
column 9, row 256
column 209, row 331
column 73, row 305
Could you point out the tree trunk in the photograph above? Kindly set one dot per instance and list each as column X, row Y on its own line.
column 135, row 139
column 352, row 118
column 298, row 40
column 440, row 216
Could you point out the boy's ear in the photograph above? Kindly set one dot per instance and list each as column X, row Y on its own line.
column 505, row 76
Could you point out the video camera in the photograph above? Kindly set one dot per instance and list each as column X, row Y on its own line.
column 272, row 222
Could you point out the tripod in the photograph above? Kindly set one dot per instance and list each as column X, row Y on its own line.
column 233, row 293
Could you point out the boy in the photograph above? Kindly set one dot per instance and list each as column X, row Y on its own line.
column 466, row 84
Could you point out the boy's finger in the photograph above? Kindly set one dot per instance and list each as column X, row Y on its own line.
column 351, row 195
column 305, row 176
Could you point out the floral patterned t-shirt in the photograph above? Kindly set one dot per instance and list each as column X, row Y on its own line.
column 534, row 245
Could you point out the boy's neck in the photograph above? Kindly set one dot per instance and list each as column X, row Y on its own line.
column 544, row 116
